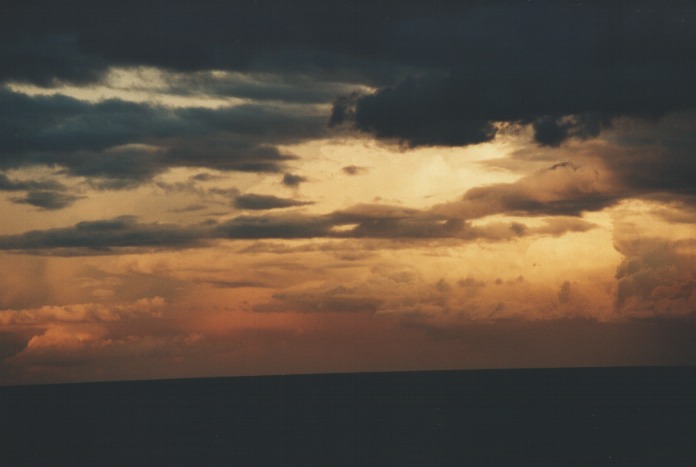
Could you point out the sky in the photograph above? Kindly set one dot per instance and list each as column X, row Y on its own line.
column 224, row 188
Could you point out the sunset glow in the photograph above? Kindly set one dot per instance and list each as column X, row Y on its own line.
column 486, row 186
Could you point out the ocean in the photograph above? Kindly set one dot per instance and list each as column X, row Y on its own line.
column 582, row 416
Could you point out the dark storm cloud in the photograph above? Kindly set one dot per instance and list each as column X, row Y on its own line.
column 44, row 58
column 307, row 36
column 637, row 158
column 264, row 202
column 408, row 228
column 550, row 131
column 381, row 221
column 44, row 194
column 58, row 124
column 343, row 109
column 293, row 180
column 227, row 152
column 444, row 71
column 7, row 184
column 655, row 157
column 541, row 42
column 288, row 227
column 50, row 200
column 385, row 222
column 101, row 236
column 566, row 68
column 125, row 142
column 509, row 199
column 421, row 112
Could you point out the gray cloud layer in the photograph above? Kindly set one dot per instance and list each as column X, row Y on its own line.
column 568, row 69
column 361, row 221
column 444, row 75
column 101, row 236
column 124, row 142
column 476, row 61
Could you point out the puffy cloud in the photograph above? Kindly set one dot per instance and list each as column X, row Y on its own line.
column 81, row 313
column 382, row 221
column 66, row 337
column 657, row 277
column 412, row 293
column 70, row 352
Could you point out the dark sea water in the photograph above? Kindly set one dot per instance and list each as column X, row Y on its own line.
column 611, row 416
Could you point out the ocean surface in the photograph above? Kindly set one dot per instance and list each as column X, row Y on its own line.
column 595, row 416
